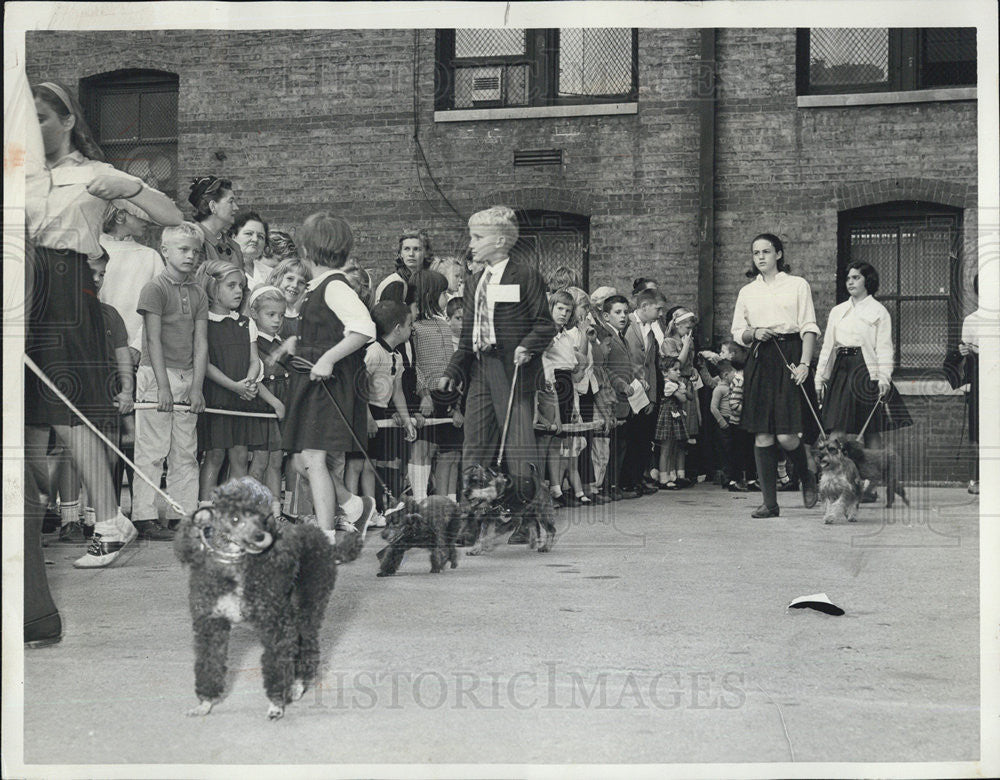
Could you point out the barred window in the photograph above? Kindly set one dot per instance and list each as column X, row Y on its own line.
column 133, row 114
column 491, row 68
column 915, row 249
column 879, row 59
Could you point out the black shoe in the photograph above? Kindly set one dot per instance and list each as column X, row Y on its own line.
column 559, row 502
column 631, row 493
column 152, row 531
column 765, row 511
column 43, row 631
column 753, row 486
column 599, row 498
column 648, row 490
column 736, row 487
column 648, row 483
column 72, row 533
column 617, row 494
column 51, row 522
column 810, row 494
column 869, row 496
column 788, row 487
column 683, row 482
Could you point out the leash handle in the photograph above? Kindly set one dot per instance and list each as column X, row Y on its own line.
column 61, row 396
column 506, row 420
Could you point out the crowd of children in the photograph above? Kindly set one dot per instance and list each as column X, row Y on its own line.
column 285, row 362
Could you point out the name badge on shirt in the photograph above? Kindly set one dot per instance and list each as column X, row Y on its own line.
column 503, row 293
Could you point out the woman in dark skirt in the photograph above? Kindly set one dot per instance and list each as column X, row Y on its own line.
column 65, row 335
column 775, row 318
column 854, row 374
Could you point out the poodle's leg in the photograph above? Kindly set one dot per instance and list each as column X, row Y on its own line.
column 852, row 508
column 278, row 663
column 391, row 560
column 211, row 645
column 829, row 514
column 484, row 542
column 439, row 552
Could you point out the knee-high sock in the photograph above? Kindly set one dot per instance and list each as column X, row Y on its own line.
column 419, row 475
column 766, row 459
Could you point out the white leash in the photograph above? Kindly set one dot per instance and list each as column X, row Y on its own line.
column 506, row 420
column 61, row 396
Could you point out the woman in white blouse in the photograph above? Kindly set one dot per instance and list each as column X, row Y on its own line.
column 66, row 332
column 855, row 364
column 775, row 318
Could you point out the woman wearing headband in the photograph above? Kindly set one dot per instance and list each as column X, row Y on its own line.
column 775, row 318
column 215, row 210
column 65, row 335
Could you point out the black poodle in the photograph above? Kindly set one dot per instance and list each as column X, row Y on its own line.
column 246, row 567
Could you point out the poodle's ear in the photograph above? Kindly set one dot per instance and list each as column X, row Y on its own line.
column 854, row 449
column 203, row 517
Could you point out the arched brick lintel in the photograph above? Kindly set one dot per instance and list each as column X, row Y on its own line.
column 947, row 193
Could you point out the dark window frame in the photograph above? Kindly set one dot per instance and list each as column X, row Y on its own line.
column 898, row 213
column 123, row 82
column 542, row 58
column 906, row 70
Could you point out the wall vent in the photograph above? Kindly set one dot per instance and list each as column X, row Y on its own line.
column 538, row 157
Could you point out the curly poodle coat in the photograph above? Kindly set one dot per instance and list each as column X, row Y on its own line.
column 244, row 566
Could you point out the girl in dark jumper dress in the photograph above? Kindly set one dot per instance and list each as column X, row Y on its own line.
column 266, row 305
column 334, row 325
column 233, row 373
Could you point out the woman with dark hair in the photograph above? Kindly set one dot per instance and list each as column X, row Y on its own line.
column 215, row 211
column 775, row 318
column 413, row 254
column 66, row 332
column 858, row 379
column 251, row 234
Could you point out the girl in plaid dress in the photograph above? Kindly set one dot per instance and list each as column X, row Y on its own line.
column 671, row 427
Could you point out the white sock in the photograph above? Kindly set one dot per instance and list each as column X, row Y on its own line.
column 352, row 508
column 89, row 516
column 69, row 512
column 556, row 491
column 419, row 475
column 453, row 497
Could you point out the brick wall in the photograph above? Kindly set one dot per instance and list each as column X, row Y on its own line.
column 325, row 119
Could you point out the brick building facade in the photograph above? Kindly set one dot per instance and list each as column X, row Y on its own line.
column 716, row 143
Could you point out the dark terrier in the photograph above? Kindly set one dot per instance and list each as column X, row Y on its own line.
column 244, row 566
column 877, row 466
column 433, row 524
column 839, row 482
column 499, row 505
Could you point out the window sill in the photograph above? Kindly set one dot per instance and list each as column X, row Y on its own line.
column 887, row 98
column 535, row 112
column 925, row 387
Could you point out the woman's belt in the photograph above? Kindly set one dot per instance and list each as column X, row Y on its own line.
column 785, row 337
column 848, row 350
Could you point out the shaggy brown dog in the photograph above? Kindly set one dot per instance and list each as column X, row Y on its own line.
column 839, row 482
column 433, row 524
column 246, row 567
column 498, row 505
column 877, row 467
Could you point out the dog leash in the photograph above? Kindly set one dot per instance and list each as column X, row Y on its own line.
column 62, row 397
column 805, row 395
column 506, row 419
column 861, row 433
column 302, row 366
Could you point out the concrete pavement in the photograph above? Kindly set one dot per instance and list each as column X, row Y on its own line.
column 656, row 631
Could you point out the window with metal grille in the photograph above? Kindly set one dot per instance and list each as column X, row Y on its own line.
column 879, row 59
column 550, row 239
column 133, row 114
column 915, row 249
column 490, row 68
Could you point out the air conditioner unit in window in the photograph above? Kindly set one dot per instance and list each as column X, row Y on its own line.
column 487, row 85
